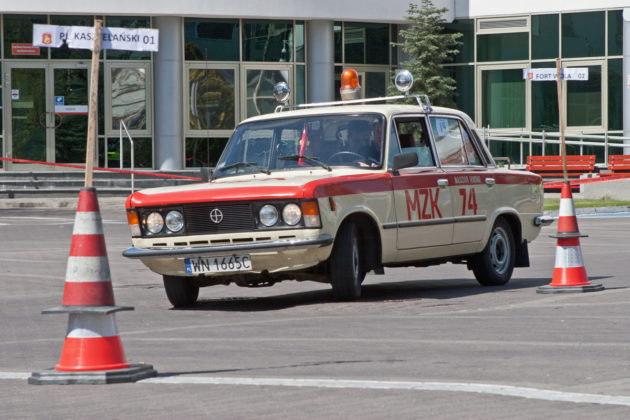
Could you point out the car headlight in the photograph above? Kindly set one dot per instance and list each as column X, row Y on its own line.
column 174, row 221
column 268, row 215
column 291, row 214
column 155, row 222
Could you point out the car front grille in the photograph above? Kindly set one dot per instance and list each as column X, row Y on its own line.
column 236, row 218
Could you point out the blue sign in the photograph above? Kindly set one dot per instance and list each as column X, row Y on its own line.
column 60, row 100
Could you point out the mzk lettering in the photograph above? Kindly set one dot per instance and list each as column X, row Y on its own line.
column 422, row 204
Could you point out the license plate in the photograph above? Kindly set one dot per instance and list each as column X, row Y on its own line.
column 223, row 264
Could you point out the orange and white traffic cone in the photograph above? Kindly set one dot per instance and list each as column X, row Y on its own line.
column 569, row 274
column 92, row 352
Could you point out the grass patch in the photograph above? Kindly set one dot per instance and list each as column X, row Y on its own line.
column 554, row 203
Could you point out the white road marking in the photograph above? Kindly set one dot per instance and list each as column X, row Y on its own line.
column 503, row 390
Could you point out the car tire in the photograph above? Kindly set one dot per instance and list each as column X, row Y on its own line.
column 180, row 291
column 494, row 265
column 346, row 264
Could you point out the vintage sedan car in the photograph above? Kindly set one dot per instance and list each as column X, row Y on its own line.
column 329, row 193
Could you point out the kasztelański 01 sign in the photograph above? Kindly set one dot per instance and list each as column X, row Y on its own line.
column 82, row 37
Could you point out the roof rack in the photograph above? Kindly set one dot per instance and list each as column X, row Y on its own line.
column 423, row 102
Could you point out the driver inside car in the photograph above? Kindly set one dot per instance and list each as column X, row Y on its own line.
column 360, row 143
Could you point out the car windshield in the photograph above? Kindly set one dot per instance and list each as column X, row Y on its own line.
column 320, row 141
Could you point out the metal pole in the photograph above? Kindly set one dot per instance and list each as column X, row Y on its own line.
column 92, row 108
column 563, row 146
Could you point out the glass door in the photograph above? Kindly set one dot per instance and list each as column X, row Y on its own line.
column 47, row 117
column 259, row 81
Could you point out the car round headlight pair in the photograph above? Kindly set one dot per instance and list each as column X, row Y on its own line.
column 291, row 214
column 174, row 222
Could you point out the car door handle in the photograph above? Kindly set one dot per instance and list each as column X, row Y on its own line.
column 442, row 183
column 490, row 181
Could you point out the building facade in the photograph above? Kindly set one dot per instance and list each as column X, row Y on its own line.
column 218, row 61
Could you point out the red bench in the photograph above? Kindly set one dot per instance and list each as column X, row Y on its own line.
column 551, row 166
column 617, row 164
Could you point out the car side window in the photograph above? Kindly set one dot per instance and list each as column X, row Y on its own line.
column 449, row 141
column 471, row 152
column 414, row 137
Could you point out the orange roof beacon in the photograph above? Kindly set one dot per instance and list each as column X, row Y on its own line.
column 330, row 191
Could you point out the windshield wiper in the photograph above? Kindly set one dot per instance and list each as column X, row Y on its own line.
column 243, row 165
column 308, row 159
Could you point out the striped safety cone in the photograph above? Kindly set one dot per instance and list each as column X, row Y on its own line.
column 92, row 352
column 569, row 274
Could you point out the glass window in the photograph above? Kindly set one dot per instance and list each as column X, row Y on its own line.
column 448, row 141
column 202, row 152
column 129, row 97
column 18, row 30
column 615, row 94
column 467, row 28
column 300, row 85
column 127, row 22
column 211, row 40
column 544, row 102
column 338, row 42
column 142, row 153
column 465, row 84
column 469, row 147
column 413, row 136
column 267, row 41
column 503, row 47
column 584, row 100
column 583, row 34
column 64, row 52
column 615, row 32
column 366, row 43
column 375, row 84
column 212, row 99
column 299, row 41
column 394, row 49
column 545, row 30
column 260, row 83
column 503, row 98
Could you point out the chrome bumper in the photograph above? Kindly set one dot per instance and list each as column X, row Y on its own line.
column 274, row 246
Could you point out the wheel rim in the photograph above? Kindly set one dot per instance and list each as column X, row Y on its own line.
column 355, row 261
column 499, row 251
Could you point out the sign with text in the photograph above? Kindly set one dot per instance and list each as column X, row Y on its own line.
column 82, row 37
column 24, row 49
column 550, row 75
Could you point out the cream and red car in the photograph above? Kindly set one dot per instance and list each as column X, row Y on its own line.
column 292, row 198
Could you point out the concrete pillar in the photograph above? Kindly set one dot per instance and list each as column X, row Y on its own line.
column 320, row 61
column 626, row 78
column 168, row 97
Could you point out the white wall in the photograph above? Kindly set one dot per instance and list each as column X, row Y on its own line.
column 477, row 8
column 392, row 11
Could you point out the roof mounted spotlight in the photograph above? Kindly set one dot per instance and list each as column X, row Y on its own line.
column 281, row 92
column 403, row 81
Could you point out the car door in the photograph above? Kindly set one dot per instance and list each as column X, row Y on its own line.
column 421, row 194
column 471, row 183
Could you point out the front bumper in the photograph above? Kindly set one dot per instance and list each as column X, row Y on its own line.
column 211, row 251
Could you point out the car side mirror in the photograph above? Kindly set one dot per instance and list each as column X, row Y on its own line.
column 404, row 160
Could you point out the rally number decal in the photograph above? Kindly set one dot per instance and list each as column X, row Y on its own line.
column 469, row 204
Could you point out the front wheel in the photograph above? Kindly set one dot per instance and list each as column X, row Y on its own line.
column 494, row 265
column 180, row 291
column 346, row 265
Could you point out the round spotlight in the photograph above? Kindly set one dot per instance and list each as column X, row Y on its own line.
column 155, row 222
column 291, row 214
column 268, row 215
column 403, row 80
column 174, row 221
column 281, row 92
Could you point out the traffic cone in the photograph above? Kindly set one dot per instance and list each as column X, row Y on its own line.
column 569, row 274
column 92, row 352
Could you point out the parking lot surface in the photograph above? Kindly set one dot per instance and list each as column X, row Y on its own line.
column 421, row 343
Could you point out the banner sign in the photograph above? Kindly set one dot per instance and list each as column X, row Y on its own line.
column 82, row 37
column 579, row 74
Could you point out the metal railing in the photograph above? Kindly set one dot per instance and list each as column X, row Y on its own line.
column 529, row 138
column 123, row 126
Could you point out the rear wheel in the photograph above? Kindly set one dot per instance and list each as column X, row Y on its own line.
column 494, row 265
column 180, row 291
column 346, row 265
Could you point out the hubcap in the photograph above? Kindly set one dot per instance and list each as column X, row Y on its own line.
column 499, row 251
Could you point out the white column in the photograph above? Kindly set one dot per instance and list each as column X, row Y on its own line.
column 168, row 94
column 626, row 78
column 320, row 61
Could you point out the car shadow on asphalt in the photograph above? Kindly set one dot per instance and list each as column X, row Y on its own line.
column 409, row 290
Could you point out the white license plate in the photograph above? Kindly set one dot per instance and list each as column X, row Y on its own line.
column 224, row 264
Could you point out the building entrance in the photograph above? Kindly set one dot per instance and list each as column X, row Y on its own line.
column 46, row 116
